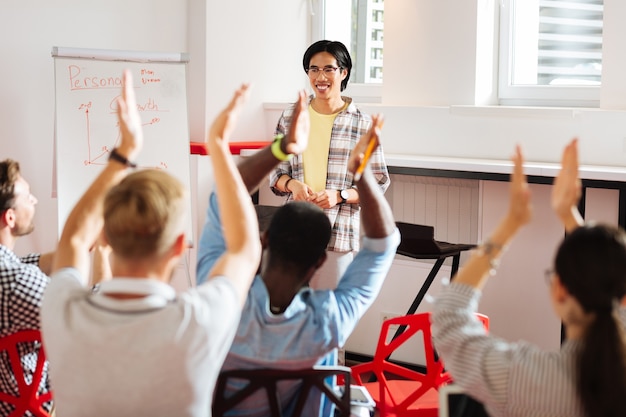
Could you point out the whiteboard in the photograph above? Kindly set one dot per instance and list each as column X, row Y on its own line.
column 87, row 84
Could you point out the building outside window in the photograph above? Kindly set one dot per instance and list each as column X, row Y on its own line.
column 551, row 52
column 359, row 24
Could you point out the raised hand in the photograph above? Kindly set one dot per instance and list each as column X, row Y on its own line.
column 367, row 144
column 224, row 124
column 129, row 120
column 298, row 137
column 520, row 207
column 567, row 188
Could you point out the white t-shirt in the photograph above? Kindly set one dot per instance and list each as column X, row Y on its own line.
column 157, row 355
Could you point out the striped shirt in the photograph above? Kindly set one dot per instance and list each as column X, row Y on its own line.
column 510, row 379
column 350, row 124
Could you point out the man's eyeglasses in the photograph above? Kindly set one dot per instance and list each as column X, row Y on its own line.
column 548, row 274
column 328, row 71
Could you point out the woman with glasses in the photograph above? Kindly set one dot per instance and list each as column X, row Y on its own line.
column 587, row 376
column 320, row 174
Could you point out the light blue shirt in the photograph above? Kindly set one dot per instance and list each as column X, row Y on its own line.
column 316, row 321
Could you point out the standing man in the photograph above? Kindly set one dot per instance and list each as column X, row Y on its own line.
column 22, row 280
column 285, row 324
column 320, row 174
column 135, row 347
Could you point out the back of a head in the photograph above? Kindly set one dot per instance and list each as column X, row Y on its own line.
column 336, row 49
column 298, row 235
column 144, row 214
column 591, row 264
column 9, row 174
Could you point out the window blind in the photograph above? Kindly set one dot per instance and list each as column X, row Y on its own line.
column 570, row 42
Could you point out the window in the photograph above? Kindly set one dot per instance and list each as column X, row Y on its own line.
column 359, row 25
column 551, row 52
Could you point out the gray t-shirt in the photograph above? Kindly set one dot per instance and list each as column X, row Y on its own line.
column 157, row 355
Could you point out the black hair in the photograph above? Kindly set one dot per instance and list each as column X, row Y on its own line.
column 298, row 235
column 336, row 49
column 591, row 264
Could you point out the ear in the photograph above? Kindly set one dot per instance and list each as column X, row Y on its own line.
column 8, row 217
column 103, row 238
column 311, row 271
column 559, row 291
column 344, row 73
column 180, row 244
column 264, row 240
column 321, row 261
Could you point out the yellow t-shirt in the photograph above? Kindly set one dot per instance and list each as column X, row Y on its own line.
column 315, row 157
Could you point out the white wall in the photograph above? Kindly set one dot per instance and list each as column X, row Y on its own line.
column 430, row 64
column 259, row 42
column 426, row 44
column 29, row 31
column 229, row 42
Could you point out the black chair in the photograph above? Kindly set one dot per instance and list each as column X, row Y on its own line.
column 264, row 215
column 267, row 380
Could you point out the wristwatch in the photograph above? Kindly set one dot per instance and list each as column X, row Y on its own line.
column 344, row 195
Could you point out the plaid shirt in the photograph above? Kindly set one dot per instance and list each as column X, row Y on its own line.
column 350, row 124
column 21, row 290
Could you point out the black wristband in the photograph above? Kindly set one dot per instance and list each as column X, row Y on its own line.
column 114, row 155
column 286, row 185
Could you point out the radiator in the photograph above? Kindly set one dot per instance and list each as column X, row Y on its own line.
column 448, row 204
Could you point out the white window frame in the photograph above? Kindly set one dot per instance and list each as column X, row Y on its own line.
column 539, row 95
column 360, row 92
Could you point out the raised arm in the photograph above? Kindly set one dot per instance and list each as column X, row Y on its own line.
column 567, row 187
column 376, row 215
column 255, row 168
column 241, row 230
column 477, row 268
column 85, row 221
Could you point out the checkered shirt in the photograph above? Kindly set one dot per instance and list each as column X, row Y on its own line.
column 350, row 124
column 21, row 290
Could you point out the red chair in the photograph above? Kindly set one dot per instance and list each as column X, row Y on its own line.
column 29, row 398
column 398, row 390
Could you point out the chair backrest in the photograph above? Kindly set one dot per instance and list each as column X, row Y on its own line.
column 12, row 347
column 267, row 380
column 415, row 325
column 384, row 370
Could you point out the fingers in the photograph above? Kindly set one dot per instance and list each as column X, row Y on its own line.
column 122, row 108
column 239, row 98
column 373, row 134
column 224, row 124
column 377, row 121
column 518, row 161
column 128, row 117
column 298, row 135
column 128, row 91
column 569, row 161
column 301, row 100
column 374, row 139
column 300, row 104
column 127, row 104
column 365, row 147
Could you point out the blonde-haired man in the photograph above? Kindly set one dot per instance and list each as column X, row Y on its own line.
column 135, row 347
